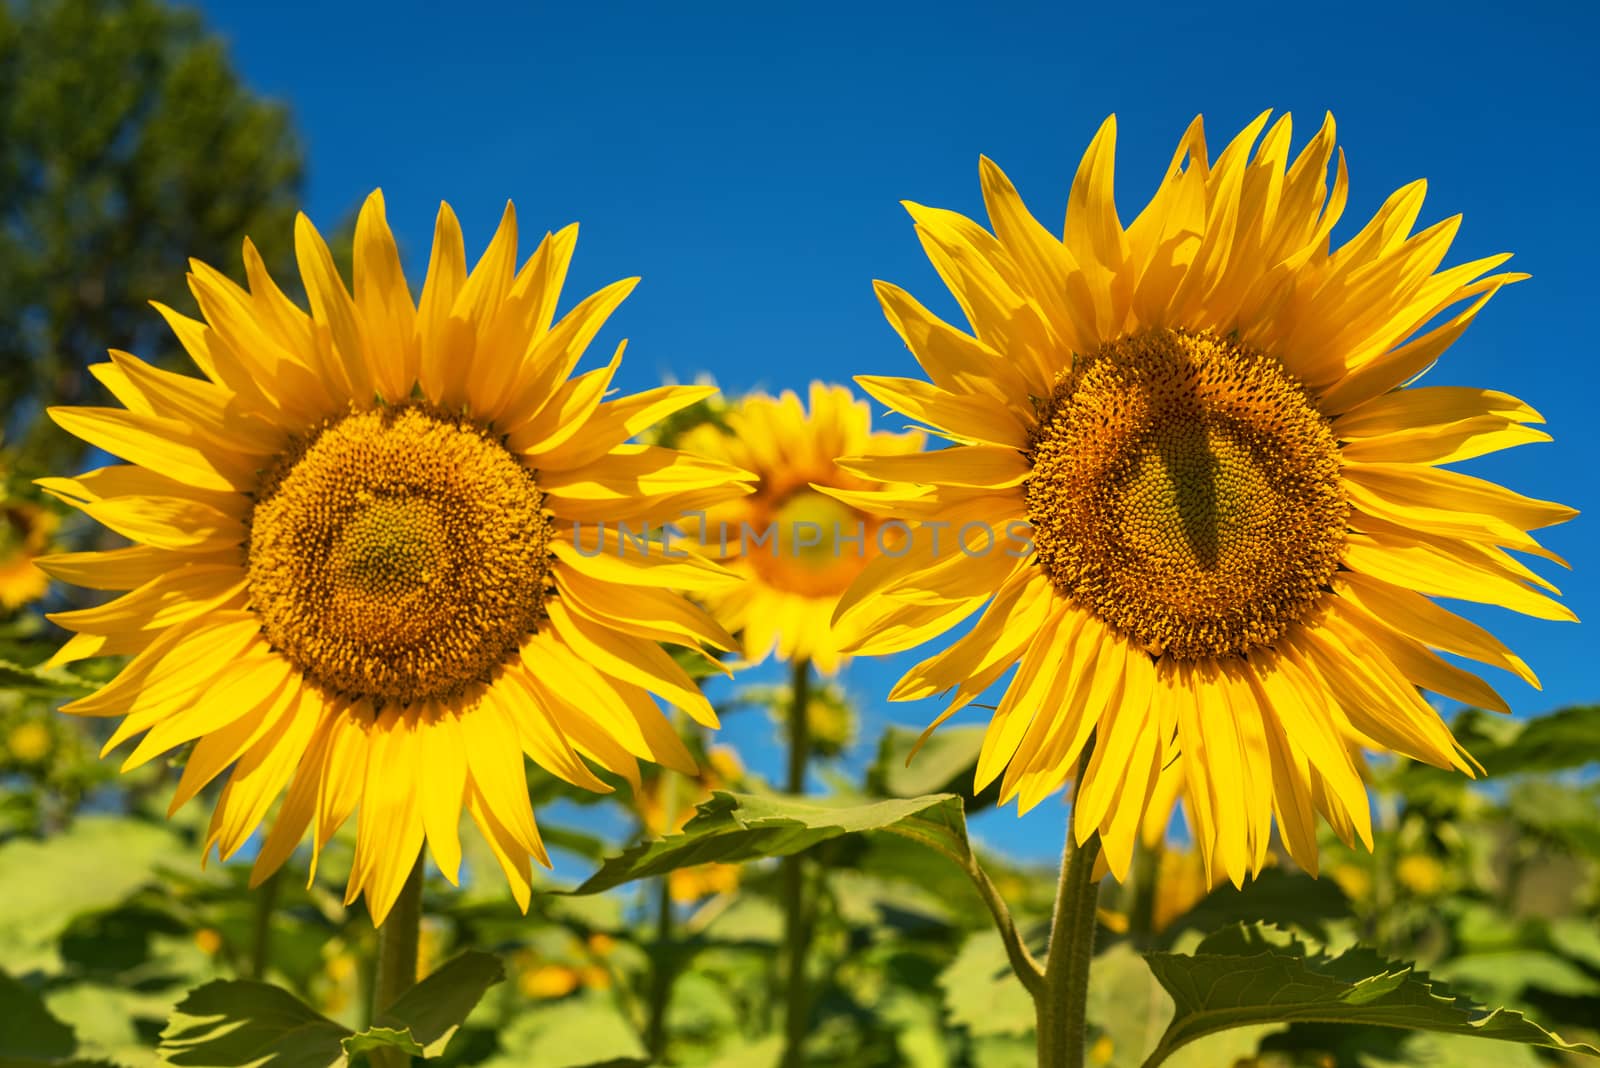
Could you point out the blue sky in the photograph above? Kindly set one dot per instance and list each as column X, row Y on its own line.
column 748, row 162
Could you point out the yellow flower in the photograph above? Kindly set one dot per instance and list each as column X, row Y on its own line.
column 1421, row 874
column 209, row 939
column 1235, row 510
column 25, row 532
column 549, row 981
column 1354, row 880
column 30, row 742
column 798, row 548
column 1182, row 882
column 688, row 885
column 355, row 575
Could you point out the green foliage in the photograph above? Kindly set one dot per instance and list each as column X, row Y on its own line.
column 49, row 884
column 429, row 1013
column 230, row 1023
column 241, row 1022
column 737, row 827
column 31, row 1033
column 53, row 683
column 1244, row 976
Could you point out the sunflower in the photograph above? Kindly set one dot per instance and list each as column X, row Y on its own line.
column 1238, row 515
column 25, row 532
column 353, row 572
column 797, row 547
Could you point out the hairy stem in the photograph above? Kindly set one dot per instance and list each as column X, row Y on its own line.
column 397, row 959
column 1062, row 998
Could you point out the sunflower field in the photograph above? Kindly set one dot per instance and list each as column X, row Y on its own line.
column 389, row 673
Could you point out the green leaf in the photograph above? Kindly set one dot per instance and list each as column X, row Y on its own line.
column 381, row 1038
column 1130, row 1009
column 227, row 1023
column 429, row 1013
column 736, row 827
column 95, row 865
column 1506, row 974
column 982, row 993
column 30, row 1031
column 945, row 764
column 52, row 683
column 1569, row 738
column 1244, row 976
column 576, row 1032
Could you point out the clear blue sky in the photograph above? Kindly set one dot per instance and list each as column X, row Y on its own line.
column 749, row 164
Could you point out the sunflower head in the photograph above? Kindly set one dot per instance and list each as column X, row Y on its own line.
column 798, row 539
column 26, row 530
column 1235, row 498
column 353, row 566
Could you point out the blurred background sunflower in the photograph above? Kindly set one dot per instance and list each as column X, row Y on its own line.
column 797, row 546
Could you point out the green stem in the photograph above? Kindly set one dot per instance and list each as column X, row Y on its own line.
column 660, row 975
column 1063, row 997
column 662, row 962
column 261, row 938
column 397, row 959
column 791, row 875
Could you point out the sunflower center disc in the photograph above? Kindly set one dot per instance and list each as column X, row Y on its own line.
column 1187, row 490
column 398, row 554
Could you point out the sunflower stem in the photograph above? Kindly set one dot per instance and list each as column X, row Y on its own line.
column 266, row 903
column 796, row 929
column 1062, row 999
column 660, row 974
column 661, row 969
column 397, row 959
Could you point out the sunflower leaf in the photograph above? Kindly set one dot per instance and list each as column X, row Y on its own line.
column 52, row 683
column 1244, row 976
column 946, row 763
column 1569, row 738
column 31, row 1032
column 382, row 1038
column 227, row 1023
column 735, row 827
column 427, row 1015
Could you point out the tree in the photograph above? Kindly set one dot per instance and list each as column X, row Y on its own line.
column 127, row 145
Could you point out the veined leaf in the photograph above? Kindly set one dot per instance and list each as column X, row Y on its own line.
column 736, row 827
column 1244, row 976
column 227, row 1023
